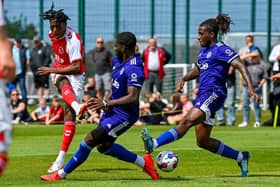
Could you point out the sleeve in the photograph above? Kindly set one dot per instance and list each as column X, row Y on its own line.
column 74, row 50
column 274, row 53
column 135, row 76
column 37, row 110
column 47, row 59
column 226, row 54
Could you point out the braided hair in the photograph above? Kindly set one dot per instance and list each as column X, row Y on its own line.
column 55, row 15
column 219, row 24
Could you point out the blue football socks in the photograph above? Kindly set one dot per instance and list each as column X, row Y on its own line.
column 167, row 137
column 121, row 153
column 227, row 151
column 79, row 157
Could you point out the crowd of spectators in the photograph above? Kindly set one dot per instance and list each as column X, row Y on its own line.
column 154, row 109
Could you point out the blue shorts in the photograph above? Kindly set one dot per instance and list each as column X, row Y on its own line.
column 114, row 124
column 209, row 102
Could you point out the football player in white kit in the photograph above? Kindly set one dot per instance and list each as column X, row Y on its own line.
column 67, row 74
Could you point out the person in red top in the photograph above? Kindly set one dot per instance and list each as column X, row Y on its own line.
column 56, row 113
column 67, row 74
column 154, row 59
column 7, row 73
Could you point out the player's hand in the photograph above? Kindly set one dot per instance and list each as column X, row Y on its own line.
column 253, row 94
column 275, row 77
column 94, row 104
column 44, row 70
column 180, row 85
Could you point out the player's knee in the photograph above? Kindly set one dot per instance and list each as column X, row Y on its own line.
column 104, row 147
column 89, row 140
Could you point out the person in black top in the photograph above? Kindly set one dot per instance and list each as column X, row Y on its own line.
column 40, row 56
column 19, row 110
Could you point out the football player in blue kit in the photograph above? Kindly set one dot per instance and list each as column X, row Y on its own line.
column 121, row 112
column 211, row 68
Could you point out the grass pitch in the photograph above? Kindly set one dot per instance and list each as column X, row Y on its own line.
column 35, row 147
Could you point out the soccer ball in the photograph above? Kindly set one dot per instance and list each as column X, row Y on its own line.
column 167, row 161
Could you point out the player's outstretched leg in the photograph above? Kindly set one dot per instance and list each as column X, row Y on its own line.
column 121, row 153
column 80, row 156
column 243, row 164
column 165, row 138
column 242, row 158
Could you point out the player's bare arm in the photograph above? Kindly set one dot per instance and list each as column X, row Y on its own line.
column 236, row 63
column 130, row 98
column 7, row 65
column 74, row 68
column 193, row 74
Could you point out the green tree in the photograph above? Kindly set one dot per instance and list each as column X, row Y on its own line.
column 18, row 26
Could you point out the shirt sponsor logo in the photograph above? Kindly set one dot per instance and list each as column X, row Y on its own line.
column 203, row 66
column 58, row 59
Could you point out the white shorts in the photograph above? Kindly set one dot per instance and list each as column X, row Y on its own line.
column 5, row 116
column 77, row 82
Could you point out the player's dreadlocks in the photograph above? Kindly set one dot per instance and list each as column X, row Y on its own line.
column 55, row 15
column 127, row 39
column 220, row 23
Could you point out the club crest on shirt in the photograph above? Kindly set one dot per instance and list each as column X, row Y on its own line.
column 209, row 54
column 61, row 50
column 115, row 83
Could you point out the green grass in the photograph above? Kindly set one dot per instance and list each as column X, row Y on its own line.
column 34, row 148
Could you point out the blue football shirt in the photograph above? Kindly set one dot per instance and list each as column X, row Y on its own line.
column 124, row 75
column 213, row 63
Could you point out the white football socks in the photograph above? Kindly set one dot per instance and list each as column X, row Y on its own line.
column 139, row 161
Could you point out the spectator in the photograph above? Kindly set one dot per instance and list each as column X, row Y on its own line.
column 177, row 105
column 231, row 90
column 40, row 56
column 56, row 113
column 40, row 113
column 145, row 113
column 274, row 96
column 19, row 109
column 89, row 116
column 90, row 87
column 154, row 59
column 251, row 59
column 103, row 62
column 21, row 56
column 187, row 105
column 156, row 107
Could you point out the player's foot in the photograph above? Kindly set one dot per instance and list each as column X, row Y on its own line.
column 83, row 108
column 148, row 141
column 149, row 167
column 55, row 167
column 244, row 164
column 51, row 177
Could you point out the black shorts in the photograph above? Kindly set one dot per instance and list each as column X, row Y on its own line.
column 41, row 81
